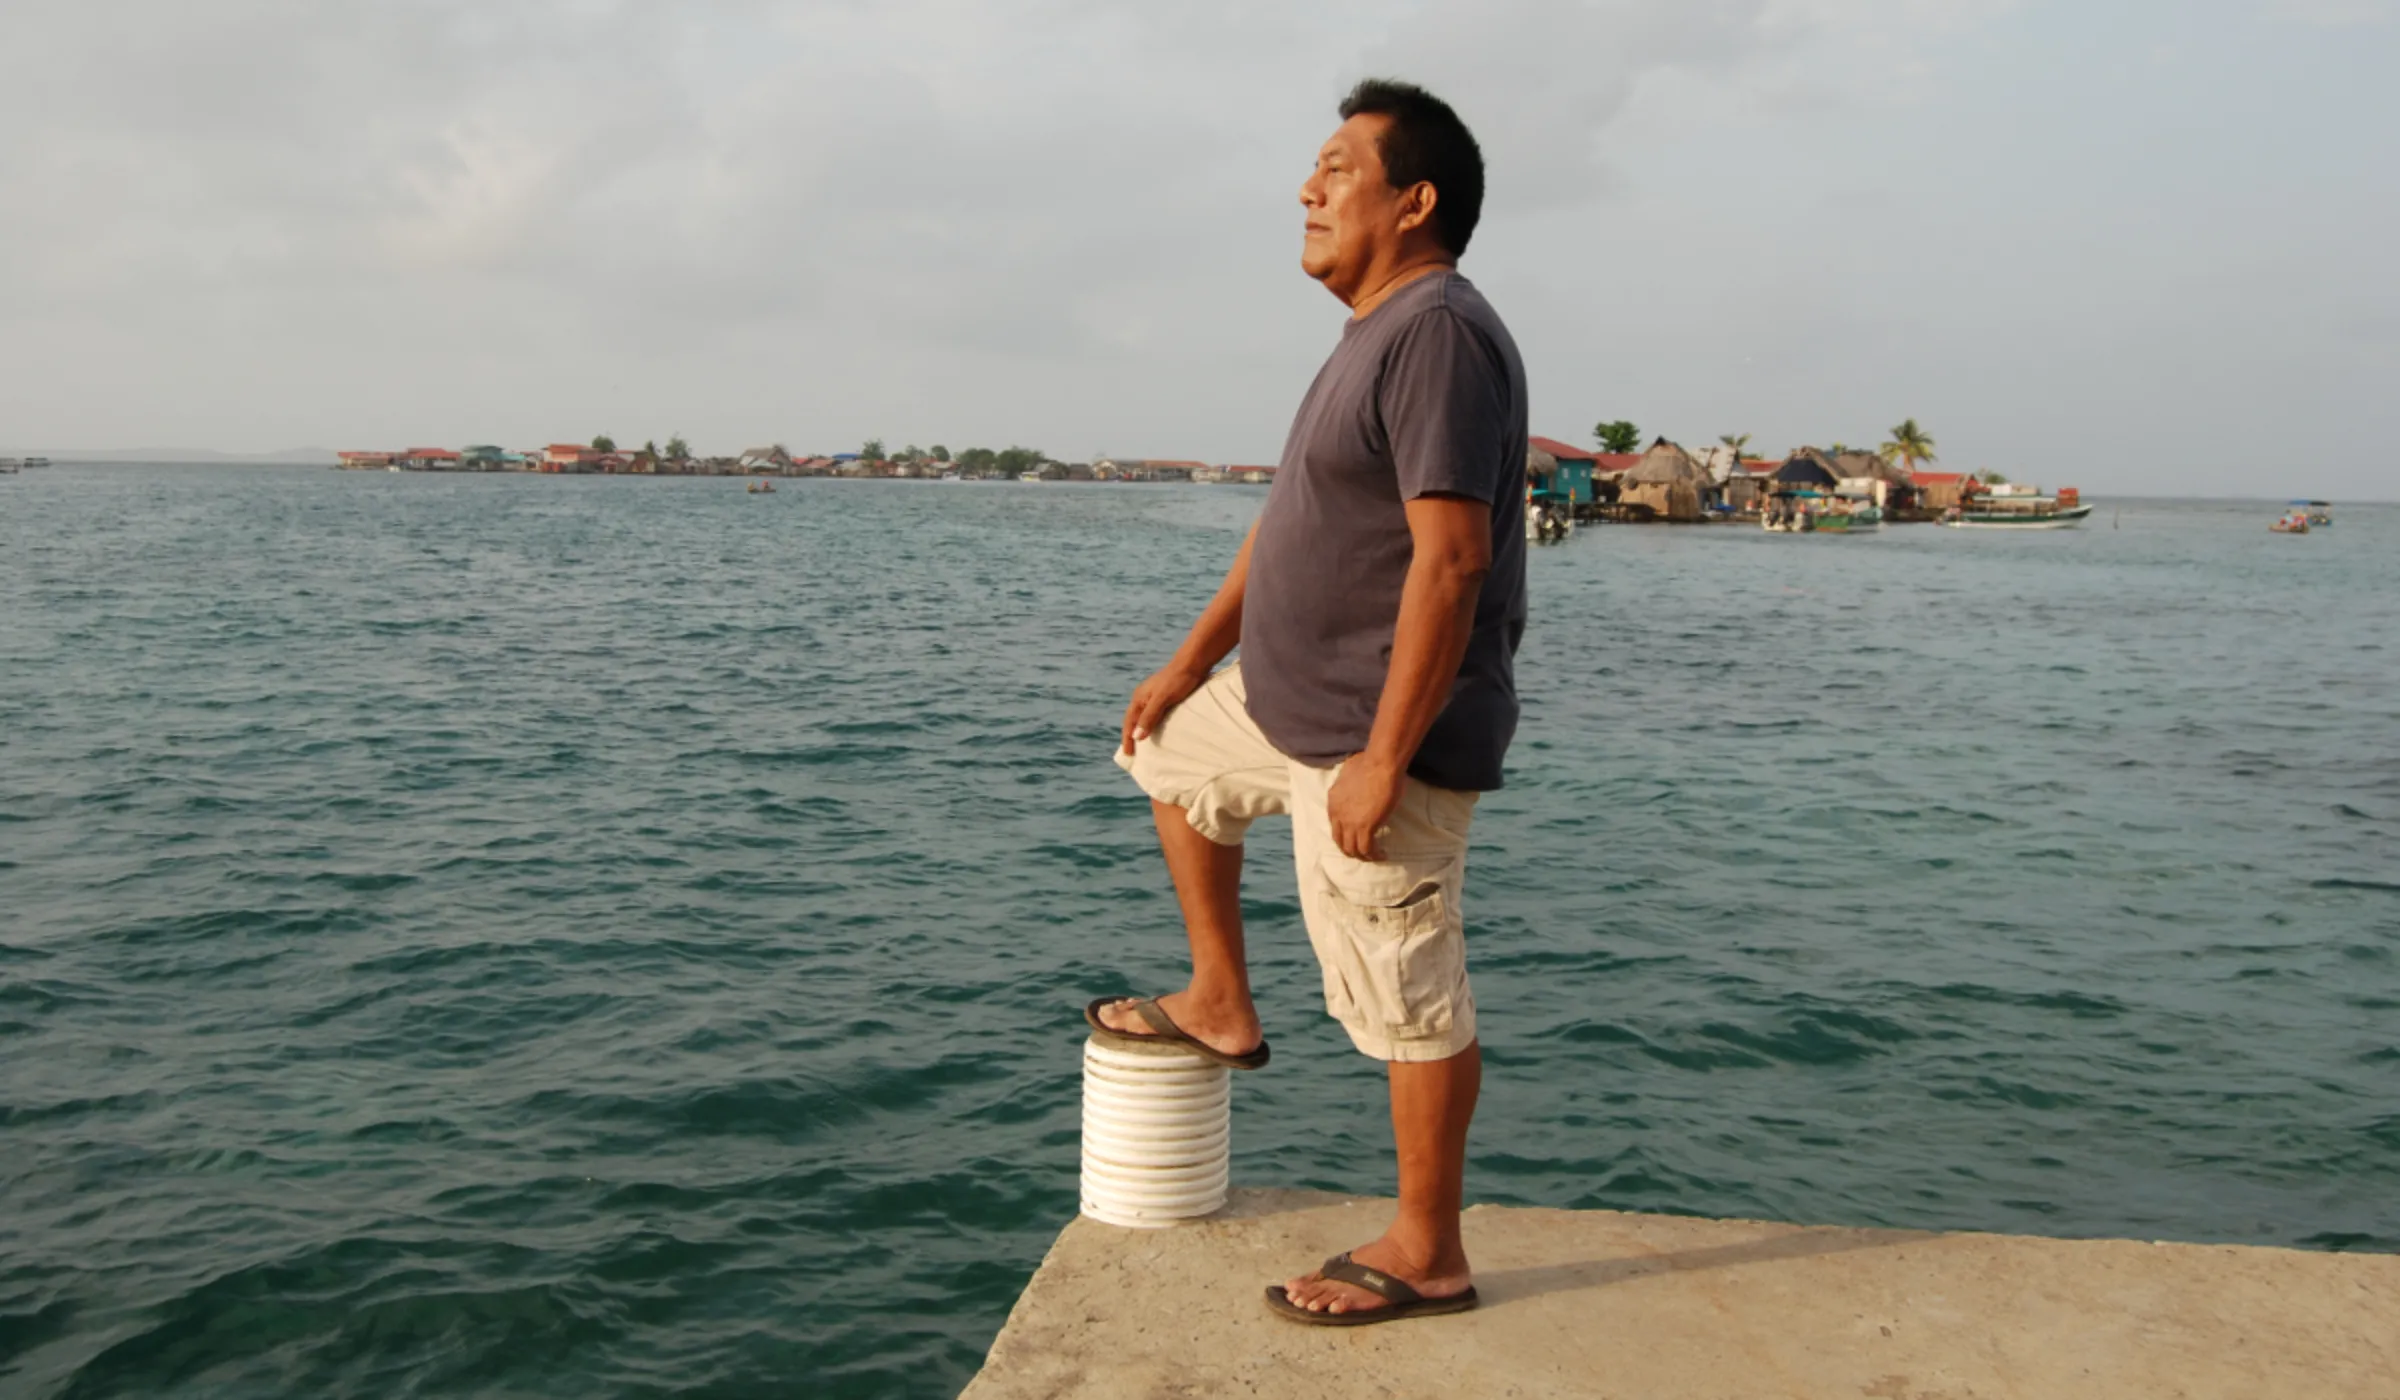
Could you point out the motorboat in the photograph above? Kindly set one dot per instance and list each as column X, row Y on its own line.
column 2319, row 513
column 1812, row 512
column 32, row 463
column 9, row 466
column 2293, row 523
column 2018, row 508
column 1549, row 518
column 762, row 488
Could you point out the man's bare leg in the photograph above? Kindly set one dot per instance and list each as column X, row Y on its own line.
column 1432, row 1103
column 1216, row 1008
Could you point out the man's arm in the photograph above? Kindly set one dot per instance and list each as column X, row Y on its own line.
column 1452, row 536
column 1211, row 640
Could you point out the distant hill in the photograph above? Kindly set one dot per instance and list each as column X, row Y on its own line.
column 290, row 456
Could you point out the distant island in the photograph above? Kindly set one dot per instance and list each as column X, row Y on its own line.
column 603, row 457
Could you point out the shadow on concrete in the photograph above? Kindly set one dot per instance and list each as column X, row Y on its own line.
column 1501, row 1287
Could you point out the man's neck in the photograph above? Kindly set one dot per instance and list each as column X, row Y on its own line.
column 1380, row 290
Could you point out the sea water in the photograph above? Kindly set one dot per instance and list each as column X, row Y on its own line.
column 616, row 937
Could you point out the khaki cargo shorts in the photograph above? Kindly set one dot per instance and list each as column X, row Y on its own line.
column 1388, row 933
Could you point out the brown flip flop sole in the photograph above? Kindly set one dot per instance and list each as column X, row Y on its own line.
column 1401, row 1301
column 1167, row 1032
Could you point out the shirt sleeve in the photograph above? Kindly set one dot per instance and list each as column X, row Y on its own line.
column 1444, row 401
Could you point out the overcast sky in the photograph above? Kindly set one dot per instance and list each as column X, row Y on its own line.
column 2132, row 246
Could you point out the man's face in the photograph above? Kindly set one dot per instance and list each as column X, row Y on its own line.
column 1352, row 215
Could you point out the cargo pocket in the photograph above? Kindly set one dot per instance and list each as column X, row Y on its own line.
column 1399, row 956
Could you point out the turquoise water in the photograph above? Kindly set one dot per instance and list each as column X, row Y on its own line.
column 611, row 937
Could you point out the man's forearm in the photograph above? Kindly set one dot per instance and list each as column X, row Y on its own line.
column 1219, row 628
column 1437, row 616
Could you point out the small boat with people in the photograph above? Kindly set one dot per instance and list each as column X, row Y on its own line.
column 1549, row 516
column 2319, row 513
column 762, row 488
column 2294, row 522
column 1814, row 512
column 2018, row 507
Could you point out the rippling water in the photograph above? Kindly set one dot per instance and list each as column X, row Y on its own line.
column 615, row 937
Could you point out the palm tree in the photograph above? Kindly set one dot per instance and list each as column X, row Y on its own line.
column 1909, row 445
column 1736, row 441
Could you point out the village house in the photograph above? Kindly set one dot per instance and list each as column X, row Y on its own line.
column 1575, row 477
column 428, row 459
column 484, row 457
column 1753, row 480
column 1939, row 491
column 1668, row 483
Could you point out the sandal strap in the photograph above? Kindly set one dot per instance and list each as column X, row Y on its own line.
column 1341, row 1268
column 1155, row 1016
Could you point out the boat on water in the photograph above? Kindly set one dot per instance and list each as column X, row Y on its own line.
column 32, row 463
column 1029, row 476
column 1812, row 512
column 8, row 466
column 2018, row 508
column 2294, row 522
column 1857, row 520
column 2318, row 513
column 762, row 488
column 1549, row 517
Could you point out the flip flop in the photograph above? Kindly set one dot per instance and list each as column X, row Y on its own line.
column 1401, row 1301
column 1155, row 1016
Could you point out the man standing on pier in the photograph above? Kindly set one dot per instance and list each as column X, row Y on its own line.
column 1378, row 604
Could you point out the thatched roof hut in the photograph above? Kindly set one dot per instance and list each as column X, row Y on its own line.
column 1539, row 465
column 1808, row 467
column 1869, row 466
column 1667, row 481
column 1666, row 464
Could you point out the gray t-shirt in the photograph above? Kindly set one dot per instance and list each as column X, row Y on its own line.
column 1425, row 395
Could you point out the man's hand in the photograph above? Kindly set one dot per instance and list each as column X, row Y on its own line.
column 1153, row 698
column 1361, row 803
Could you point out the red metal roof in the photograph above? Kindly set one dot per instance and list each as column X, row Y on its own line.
column 1563, row 451
column 436, row 453
column 1937, row 478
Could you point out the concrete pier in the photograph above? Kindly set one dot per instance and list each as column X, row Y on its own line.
column 1595, row 1303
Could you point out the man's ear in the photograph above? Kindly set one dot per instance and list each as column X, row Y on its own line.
column 1416, row 205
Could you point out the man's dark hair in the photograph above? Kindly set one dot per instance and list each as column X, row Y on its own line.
column 1426, row 141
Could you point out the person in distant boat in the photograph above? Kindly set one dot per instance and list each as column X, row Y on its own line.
column 1378, row 604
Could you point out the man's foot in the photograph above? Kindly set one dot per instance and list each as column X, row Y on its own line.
column 1432, row 1277
column 1226, row 1029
